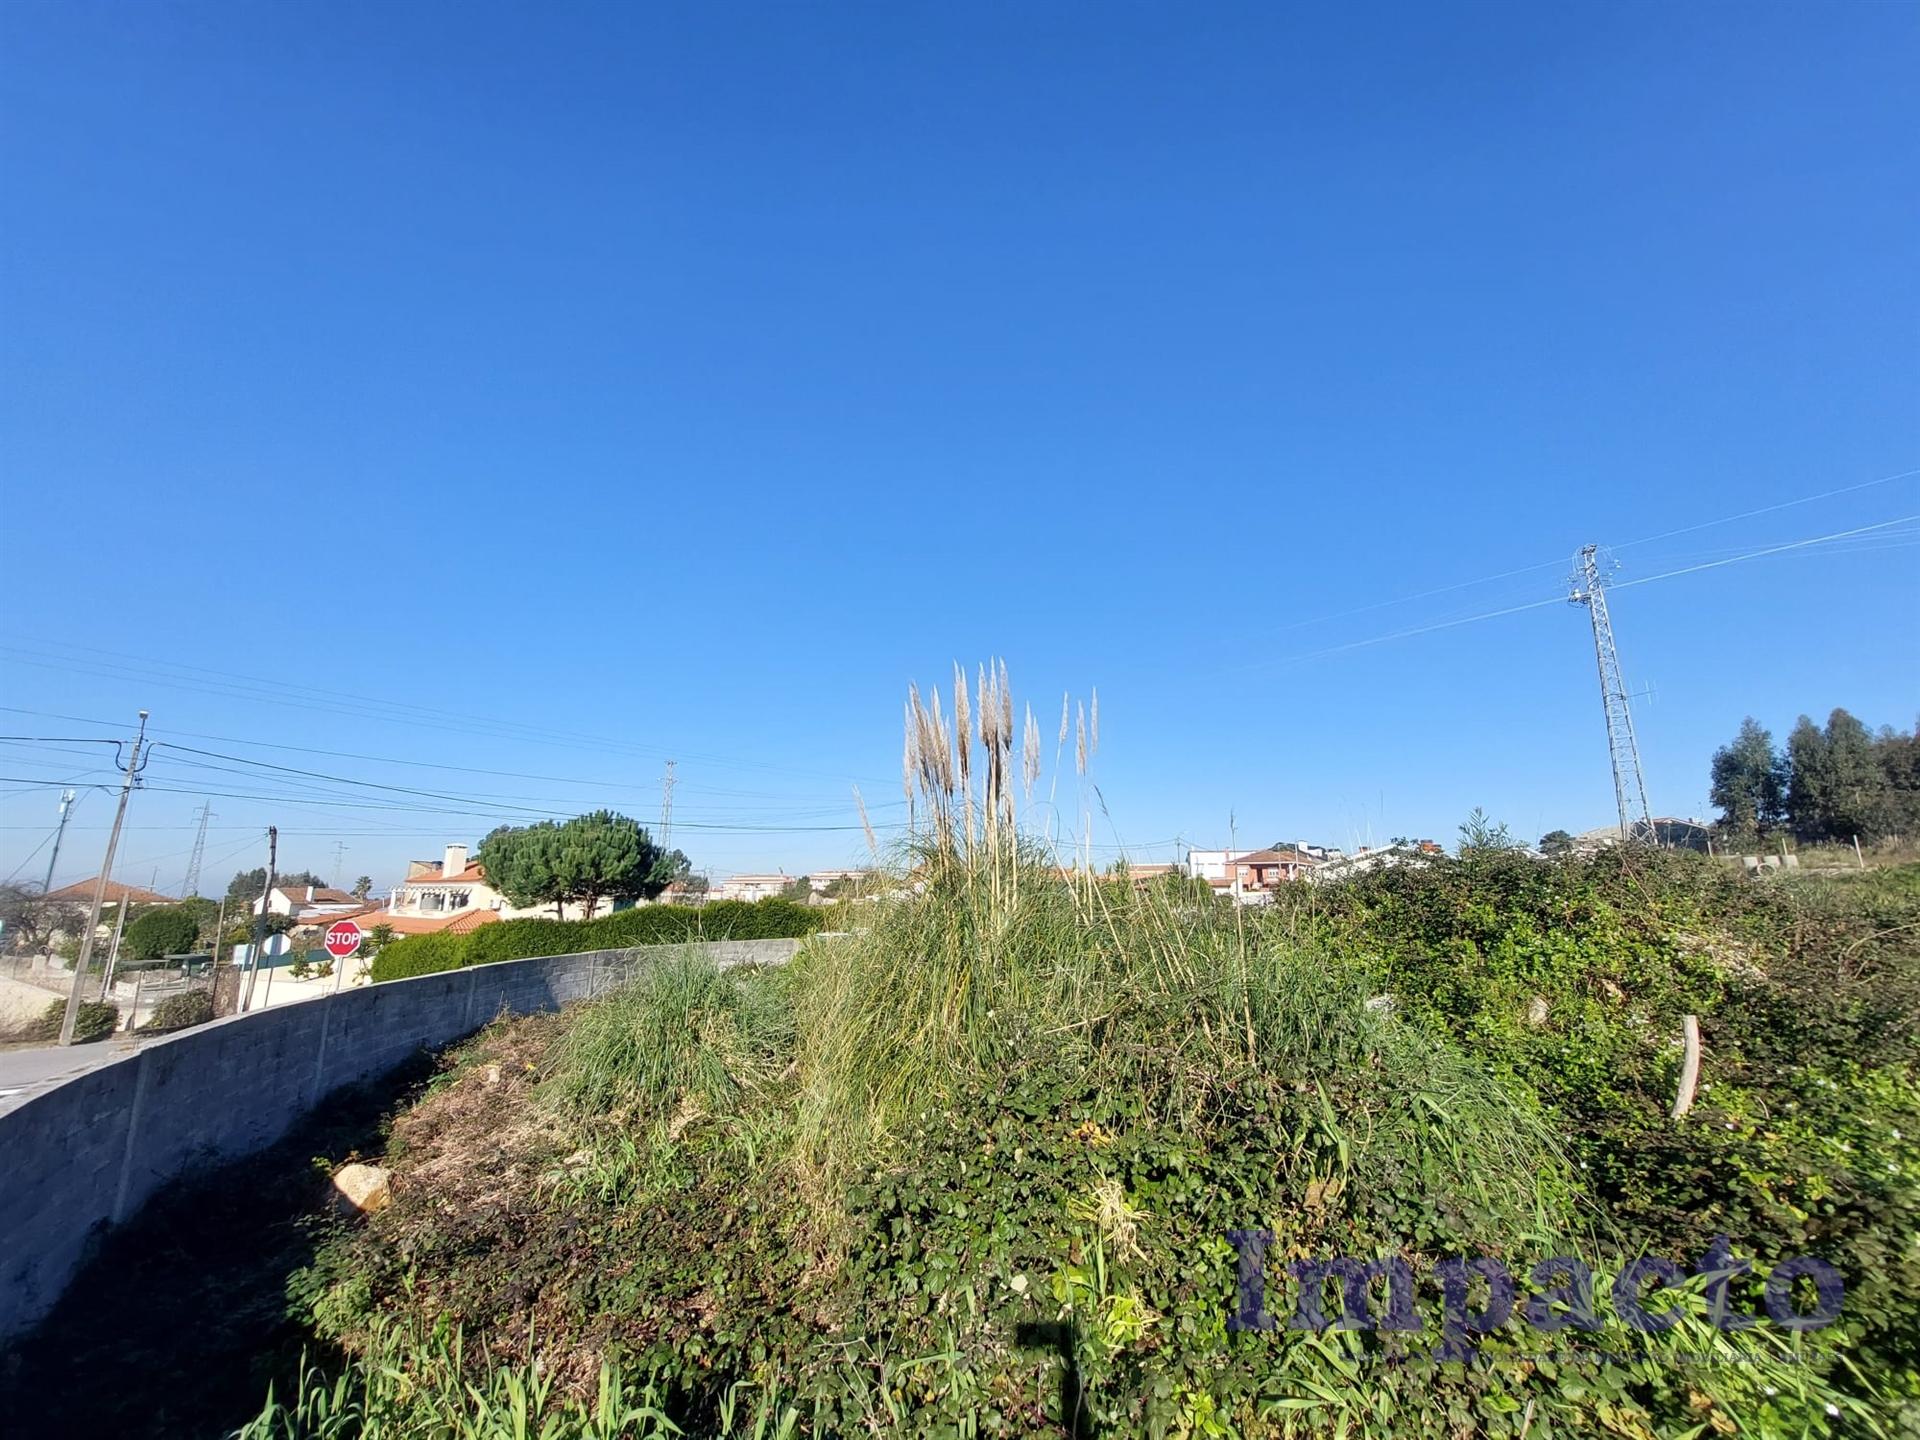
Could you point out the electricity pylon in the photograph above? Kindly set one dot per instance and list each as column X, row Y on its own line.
column 190, row 887
column 1629, row 785
column 666, row 809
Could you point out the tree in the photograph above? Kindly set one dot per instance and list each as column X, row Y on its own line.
column 590, row 858
column 800, row 890
column 1809, row 781
column 1479, row 835
column 1749, row 782
column 522, row 863
column 28, row 920
column 1898, row 755
column 1854, row 807
column 1556, row 842
column 163, row 930
column 363, row 887
column 246, row 886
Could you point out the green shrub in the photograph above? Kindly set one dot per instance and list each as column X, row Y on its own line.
column 178, row 1012
column 166, row 930
column 419, row 955
column 95, row 1020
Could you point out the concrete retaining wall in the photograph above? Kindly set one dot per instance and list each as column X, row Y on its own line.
column 87, row 1154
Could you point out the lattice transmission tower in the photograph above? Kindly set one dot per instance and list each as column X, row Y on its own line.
column 191, row 885
column 1589, row 588
column 666, row 809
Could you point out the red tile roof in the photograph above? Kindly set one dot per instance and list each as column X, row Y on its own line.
column 1276, row 857
column 116, row 893
column 461, row 922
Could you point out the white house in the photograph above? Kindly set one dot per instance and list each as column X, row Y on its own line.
column 751, row 887
column 309, row 904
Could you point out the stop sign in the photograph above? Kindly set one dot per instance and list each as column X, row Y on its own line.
column 343, row 938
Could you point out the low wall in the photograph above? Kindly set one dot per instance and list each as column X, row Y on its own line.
column 87, row 1154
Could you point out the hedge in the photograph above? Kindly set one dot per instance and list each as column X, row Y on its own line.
column 772, row 919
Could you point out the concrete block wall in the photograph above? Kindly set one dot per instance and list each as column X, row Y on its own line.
column 86, row 1154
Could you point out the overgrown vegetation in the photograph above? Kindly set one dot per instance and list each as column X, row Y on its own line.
column 94, row 1020
column 771, row 919
column 179, row 1012
column 974, row 1167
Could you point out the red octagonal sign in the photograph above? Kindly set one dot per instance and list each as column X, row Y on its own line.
column 343, row 938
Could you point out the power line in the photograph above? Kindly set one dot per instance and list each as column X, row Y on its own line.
column 1556, row 564
column 174, row 675
column 1412, row 631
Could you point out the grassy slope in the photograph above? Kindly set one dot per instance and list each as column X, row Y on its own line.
column 973, row 1170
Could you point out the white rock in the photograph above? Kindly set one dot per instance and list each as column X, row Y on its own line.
column 365, row 1188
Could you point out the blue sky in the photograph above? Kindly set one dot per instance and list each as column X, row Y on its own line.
column 553, row 390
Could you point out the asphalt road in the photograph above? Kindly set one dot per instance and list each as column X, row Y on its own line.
column 26, row 1071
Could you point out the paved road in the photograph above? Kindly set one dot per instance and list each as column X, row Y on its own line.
column 24, row 1073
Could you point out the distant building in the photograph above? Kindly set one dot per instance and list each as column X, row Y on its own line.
column 309, row 904
column 751, row 887
column 1265, row 870
column 435, row 889
column 117, row 894
column 455, row 885
column 1255, row 873
column 1670, row 832
column 1377, row 857
column 1213, row 866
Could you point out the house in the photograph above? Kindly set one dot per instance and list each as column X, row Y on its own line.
column 454, row 885
column 1213, row 866
column 309, row 904
column 435, row 889
column 1253, row 874
column 81, row 892
column 1265, row 870
column 751, row 887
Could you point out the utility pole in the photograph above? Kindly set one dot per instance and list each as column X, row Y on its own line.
column 666, row 809
column 191, row 885
column 81, row 966
column 66, row 804
column 113, row 950
column 260, row 920
column 1629, row 785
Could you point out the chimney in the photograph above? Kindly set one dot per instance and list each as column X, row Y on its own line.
column 309, row 894
column 455, row 862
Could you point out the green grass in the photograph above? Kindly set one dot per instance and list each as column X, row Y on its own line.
column 970, row 1168
column 684, row 1038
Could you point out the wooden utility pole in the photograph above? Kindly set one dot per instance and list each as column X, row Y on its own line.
column 85, row 962
column 260, row 920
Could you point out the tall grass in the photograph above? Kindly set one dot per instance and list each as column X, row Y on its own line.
column 994, row 953
column 684, row 1040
